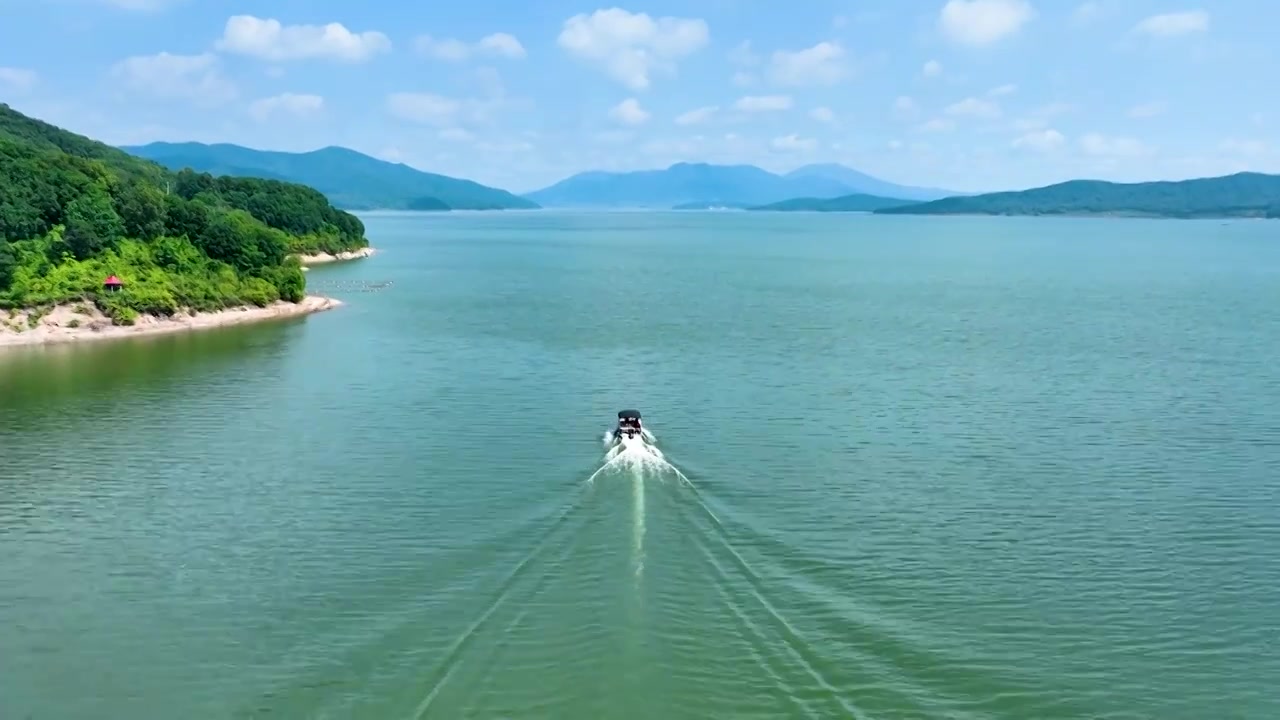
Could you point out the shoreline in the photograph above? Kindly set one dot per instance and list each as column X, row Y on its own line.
column 323, row 258
column 83, row 322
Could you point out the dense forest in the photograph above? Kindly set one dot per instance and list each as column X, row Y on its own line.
column 73, row 211
column 1245, row 194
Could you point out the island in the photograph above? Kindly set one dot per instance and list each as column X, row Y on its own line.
column 857, row 202
column 97, row 243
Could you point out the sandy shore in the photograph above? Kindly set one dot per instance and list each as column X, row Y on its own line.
column 323, row 258
column 85, row 323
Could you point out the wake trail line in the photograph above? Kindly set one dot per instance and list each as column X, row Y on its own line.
column 799, row 648
column 448, row 662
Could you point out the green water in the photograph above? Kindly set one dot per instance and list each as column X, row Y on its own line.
column 940, row 468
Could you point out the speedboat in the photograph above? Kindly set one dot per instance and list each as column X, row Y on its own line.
column 628, row 427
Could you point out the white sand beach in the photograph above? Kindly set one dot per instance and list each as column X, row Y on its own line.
column 83, row 322
column 323, row 258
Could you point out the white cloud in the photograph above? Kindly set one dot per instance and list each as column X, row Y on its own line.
column 763, row 103
column 1038, row 119
column 983, row 22
column 1147, row 110
column 613, row 137
column 267, row 39
column 1106, row 146
column 632, row 46
column 794, row 143
column 1086, row 12
column 697, row 116
column 17, row 79
column 974, row 107
column 1175, row 23
column 1041, row 140
column 629, row 112
column 822, row 114
column 451, row 50
column 743, row 55
column 904, row 105
column 195, row 78
column 895, row 144
column 821, row 64
column 503, row 44
column 937, row 125
column 1002, row 90
column 454, row 134
column 933, row 68
column 743, row 79
column 144, row 5
column 424, row 108
column 1244, row 147
column 288, row 103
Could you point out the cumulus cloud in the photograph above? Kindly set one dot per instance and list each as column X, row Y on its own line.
column 743, row 55
column 629, row 112
column 454, row 134
column 937, row 125
column 822, row 64
column 974, row 107
column 697, row 116
column 194, row 78
column 1147, row 110
column 904, row 106
column 822, row 114
column 1040, row 140
column 1175, row 23
column 144, row 5
column 1086, row 12
column 763, row 103
column 1244, row 146
column 933, row 68
column 452, row 50
column 983, row 22
column 793, row 143
column 448, row 112
column 286, row 104
column 632, row 47
column 17, row 79
column 1106, row 146
column 1002, row 90
column 268, row 39
column 424, row 108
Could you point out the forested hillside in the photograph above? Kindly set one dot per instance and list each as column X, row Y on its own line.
column 73, row 211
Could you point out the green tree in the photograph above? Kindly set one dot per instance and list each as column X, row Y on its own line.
column 184, row 218
column 142, row 209
column 8, row 263
column 92, row 224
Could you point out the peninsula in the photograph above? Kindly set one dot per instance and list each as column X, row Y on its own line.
column 96, row 243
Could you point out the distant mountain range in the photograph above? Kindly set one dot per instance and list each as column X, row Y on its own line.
column 355, row 181
column 690, row 185
column 349, row 179
column 1245, row 194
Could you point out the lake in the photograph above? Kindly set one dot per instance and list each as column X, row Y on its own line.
column 918, row 467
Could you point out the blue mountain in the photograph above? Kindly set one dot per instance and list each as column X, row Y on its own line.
column 689, row 184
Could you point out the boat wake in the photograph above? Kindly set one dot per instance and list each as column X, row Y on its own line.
column 640, row 455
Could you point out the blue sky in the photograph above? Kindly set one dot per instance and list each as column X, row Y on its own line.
column 962, row 94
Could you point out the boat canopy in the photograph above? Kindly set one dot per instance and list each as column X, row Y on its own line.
column 628, row 414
